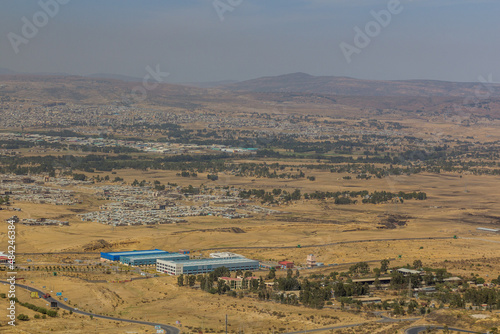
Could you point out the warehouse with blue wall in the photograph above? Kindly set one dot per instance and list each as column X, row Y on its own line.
column 115, row 256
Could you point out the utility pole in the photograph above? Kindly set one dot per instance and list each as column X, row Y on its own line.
column 226, row 323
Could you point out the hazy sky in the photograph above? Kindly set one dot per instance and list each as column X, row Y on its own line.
column 456, row 40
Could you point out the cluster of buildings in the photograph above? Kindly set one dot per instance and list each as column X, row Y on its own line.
column 130, row 217
column 151, row 147
column 32, row 190
column 43, row 222
column 283, row 265
column 128, row 205
column 180, row 263
column 144, row 206
column 124, row 121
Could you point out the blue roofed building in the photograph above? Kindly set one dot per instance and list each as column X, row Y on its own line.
column 115, row 256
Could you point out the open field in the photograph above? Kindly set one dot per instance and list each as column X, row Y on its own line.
column 448, row 211
column 159, row 299
column 66, row 323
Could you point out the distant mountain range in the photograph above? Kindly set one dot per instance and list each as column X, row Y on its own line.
column 302, row 83
column 113, row 76
column 126, row 78
column 209, row 84
column 299, row 92
column 5, row 71
column 331, row 85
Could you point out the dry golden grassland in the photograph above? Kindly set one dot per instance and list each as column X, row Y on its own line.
column 161, row 300
column 64, row 323
column 455, row 206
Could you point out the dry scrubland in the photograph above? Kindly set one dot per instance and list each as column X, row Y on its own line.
column 67, row 323
column 159, row 299
column 455, row 206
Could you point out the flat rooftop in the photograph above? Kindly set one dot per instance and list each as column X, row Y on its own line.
column 156, row 256
column 207, row 262
column 225, row 255
column 153, row 251
column 362, row 280
column 408, row 271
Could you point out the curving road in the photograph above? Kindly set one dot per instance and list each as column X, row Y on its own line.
column 173, row 330
column 421, row 329
column 383, row 319
column 167, row 328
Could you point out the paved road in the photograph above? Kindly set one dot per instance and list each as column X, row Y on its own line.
column 327, row 328
column 383, row 320
column 485, row 240
column 168, row 329
column 323, row 245
column 268, row 247
column 421, row 329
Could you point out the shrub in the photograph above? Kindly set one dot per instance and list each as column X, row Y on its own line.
column 52, row 313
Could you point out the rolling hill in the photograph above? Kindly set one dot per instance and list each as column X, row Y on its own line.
column 331, row 85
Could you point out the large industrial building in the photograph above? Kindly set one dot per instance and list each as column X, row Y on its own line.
column 150, row 259
column 194, row 267
column 116, row 256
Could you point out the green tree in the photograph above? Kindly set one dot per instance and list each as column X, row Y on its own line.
column 429, row 278
column 384, row 265
column 192, row 280
column 221, row 287
column 272, row 273
column 180, row 280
